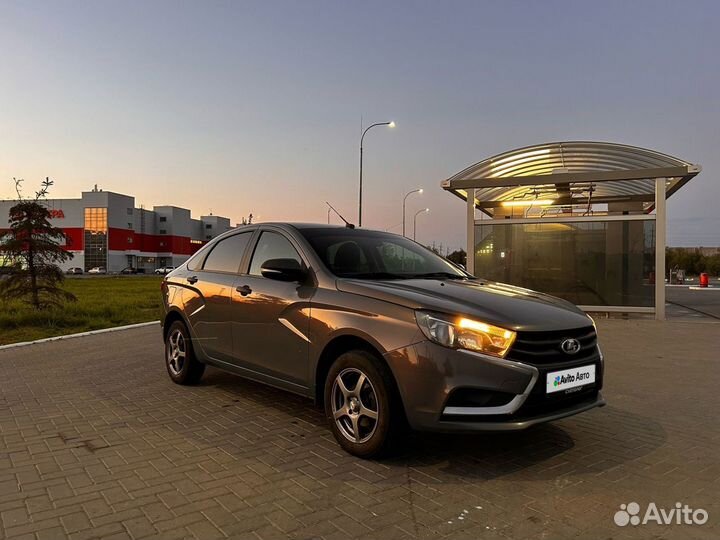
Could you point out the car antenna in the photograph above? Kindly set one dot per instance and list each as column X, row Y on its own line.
column 347, row 223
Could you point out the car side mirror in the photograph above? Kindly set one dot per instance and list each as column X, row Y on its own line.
column 283, row 270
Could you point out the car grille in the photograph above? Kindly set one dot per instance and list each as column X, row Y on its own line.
column 544, row 347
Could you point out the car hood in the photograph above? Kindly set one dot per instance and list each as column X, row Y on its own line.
column 496, row 303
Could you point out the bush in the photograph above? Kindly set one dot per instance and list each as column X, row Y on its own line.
column 692, row 261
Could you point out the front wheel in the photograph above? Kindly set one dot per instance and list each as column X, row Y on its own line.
column 362, row 406
column 182, row 366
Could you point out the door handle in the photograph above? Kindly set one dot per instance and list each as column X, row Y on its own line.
column 244, row 290
column 192, row 279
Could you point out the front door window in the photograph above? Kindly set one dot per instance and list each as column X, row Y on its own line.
column 272, row 246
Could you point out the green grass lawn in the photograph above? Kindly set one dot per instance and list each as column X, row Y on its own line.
column 103, row 302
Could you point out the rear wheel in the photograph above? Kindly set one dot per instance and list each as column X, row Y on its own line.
column 182, row 365
column 361, row 405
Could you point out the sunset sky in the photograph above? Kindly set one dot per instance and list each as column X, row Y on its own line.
column 237, row 107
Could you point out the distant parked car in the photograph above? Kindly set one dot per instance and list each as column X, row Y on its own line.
column 164, row 270
column 97, row 270
column 131, row 270
column 74, row 271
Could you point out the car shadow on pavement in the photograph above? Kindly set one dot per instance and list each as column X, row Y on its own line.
column 589, row 443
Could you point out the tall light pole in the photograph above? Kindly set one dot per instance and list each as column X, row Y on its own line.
column 424, row 210
column 420, row 190
column 389, row 124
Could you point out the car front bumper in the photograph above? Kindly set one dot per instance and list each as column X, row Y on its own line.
column 431, row 378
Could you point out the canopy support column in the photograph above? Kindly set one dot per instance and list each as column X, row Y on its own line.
column 660, row 239
column 470, row 259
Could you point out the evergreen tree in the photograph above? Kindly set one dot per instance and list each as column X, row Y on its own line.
column 33, row 247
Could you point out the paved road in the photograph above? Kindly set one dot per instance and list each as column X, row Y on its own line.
column 96, row 442
column 707, row 301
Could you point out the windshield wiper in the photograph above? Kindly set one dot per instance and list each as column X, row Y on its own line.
column 440, row 275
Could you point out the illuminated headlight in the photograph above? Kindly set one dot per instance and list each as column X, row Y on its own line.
column 462, row 333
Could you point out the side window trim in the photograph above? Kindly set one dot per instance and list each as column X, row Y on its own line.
column 249, row 252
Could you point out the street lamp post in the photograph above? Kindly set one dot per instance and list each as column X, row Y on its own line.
column 389, row 124
column 420, row 190
column 415, row 219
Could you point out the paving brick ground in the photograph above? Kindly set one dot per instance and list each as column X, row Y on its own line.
column 96, row 442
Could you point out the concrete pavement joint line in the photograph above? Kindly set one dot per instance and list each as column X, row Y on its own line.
column 80, row 334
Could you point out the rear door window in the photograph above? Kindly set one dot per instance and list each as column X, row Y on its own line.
column 227, row 254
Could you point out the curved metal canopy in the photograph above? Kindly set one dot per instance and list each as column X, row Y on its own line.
column 571, row 173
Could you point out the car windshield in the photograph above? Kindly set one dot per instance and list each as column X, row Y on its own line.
column 364, row 254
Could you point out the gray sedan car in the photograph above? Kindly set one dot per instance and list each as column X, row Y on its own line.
column 380, row 331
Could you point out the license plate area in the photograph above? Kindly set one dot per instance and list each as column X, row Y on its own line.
column 567, row 379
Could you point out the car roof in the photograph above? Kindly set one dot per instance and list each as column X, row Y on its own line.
column 317, row 226
column 304, row 225
column 299, row 226
column 296, row 225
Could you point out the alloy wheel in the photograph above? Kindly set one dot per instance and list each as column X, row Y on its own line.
column 354, row 405
column 176, row 352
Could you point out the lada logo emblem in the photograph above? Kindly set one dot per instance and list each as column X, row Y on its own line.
column 570, row 346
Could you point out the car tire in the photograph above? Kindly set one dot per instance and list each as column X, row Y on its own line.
column 350, row 410
column 180, row 360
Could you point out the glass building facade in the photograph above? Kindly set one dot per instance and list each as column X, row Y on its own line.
column 590, row 263
column 96, row 238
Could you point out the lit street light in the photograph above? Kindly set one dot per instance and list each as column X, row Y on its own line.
column 388, row 124
column 425, row 210
column 420, row 190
